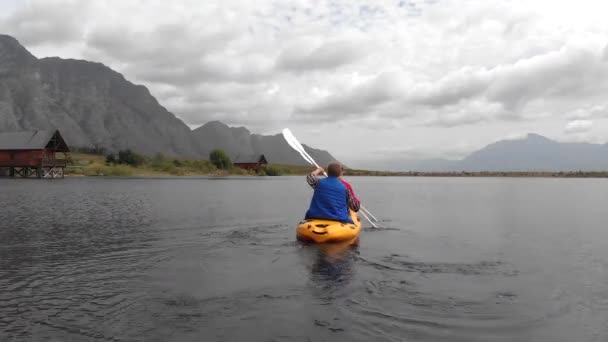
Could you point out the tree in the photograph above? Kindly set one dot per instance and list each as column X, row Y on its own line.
column 110, row 159
column 220, row 159
column 130, row 158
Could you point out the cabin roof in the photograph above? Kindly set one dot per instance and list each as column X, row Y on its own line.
column 34, row 140
column 250, row 159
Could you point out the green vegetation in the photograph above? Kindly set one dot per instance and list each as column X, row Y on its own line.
column 220, row 159
column 129, row 157
column 271, row 170
column 159, row 165
column 95, row 165
column 110, row 159
column 126, row 157
column 129, row 163
column 286, row 170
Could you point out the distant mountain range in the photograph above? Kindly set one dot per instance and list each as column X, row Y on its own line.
column 95, row 106
column 532, row 153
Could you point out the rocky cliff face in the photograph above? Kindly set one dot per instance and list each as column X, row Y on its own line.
column 94, row 106
column 112, row 111
column 91, row 104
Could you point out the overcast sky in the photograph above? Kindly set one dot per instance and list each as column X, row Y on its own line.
column 365, row 80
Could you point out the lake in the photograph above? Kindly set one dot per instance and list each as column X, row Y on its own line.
column 186, row 259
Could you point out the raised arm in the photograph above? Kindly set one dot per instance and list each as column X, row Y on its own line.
column 313, row 179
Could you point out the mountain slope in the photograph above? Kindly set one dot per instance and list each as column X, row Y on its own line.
column 238, row 141
column 533, row 153
column 94, row 106
column 537, row 153
column 91, row 104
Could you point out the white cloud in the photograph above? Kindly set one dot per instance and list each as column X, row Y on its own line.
column 46, row 22
column 471, row 113
column 598, row 111
column 433, row 71
column 307, row 55
column 578, row 126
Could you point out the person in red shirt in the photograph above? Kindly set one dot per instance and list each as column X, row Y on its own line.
column 349, row 187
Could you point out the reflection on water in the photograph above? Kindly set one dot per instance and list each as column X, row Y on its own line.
column 216, row 260
column 333, row 264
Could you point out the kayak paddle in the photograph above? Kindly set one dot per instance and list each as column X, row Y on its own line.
column 295, row 144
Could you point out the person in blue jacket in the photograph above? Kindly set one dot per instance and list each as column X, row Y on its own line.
column 331, row 199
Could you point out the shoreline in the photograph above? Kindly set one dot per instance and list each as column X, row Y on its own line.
column 88, row 165
column 486, row 174
column 418, row 174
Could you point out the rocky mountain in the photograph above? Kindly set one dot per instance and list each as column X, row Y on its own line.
column 94, row 106
column 91, row 104
column 537, row 153
column 238, row 141
column 533, row 153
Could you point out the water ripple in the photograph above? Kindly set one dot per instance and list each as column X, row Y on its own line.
column 209, row 260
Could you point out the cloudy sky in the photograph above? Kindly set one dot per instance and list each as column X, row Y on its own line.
column 367, row 80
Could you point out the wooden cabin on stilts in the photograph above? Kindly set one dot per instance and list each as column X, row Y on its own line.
column 251, row 162
column 33, row 154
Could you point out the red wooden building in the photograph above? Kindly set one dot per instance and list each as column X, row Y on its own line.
column 254, row 162
column 32, row 154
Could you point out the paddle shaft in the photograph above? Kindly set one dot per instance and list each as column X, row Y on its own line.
column 363, row 211
column 295, row 144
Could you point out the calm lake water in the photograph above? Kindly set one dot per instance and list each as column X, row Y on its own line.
column 463, row 259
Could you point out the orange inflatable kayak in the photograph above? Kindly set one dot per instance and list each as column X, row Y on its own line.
column 327, row 231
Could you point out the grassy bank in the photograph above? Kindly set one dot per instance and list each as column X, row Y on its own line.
column 83, row 164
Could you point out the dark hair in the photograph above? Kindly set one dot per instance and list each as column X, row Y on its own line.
column 334, row 169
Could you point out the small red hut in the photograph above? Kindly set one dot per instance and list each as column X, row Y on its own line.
column 32, row 154
column 253, row 162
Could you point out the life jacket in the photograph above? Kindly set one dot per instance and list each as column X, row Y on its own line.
column 330, row 201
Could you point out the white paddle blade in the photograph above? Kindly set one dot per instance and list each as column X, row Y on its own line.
column 295, row 144
column 290, row 139
column 301, row 149
column 287, row 135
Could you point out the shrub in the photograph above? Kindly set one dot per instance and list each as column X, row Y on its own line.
column 220, row 159
column 130, row 158
column 273, row 171
column 110, row 159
